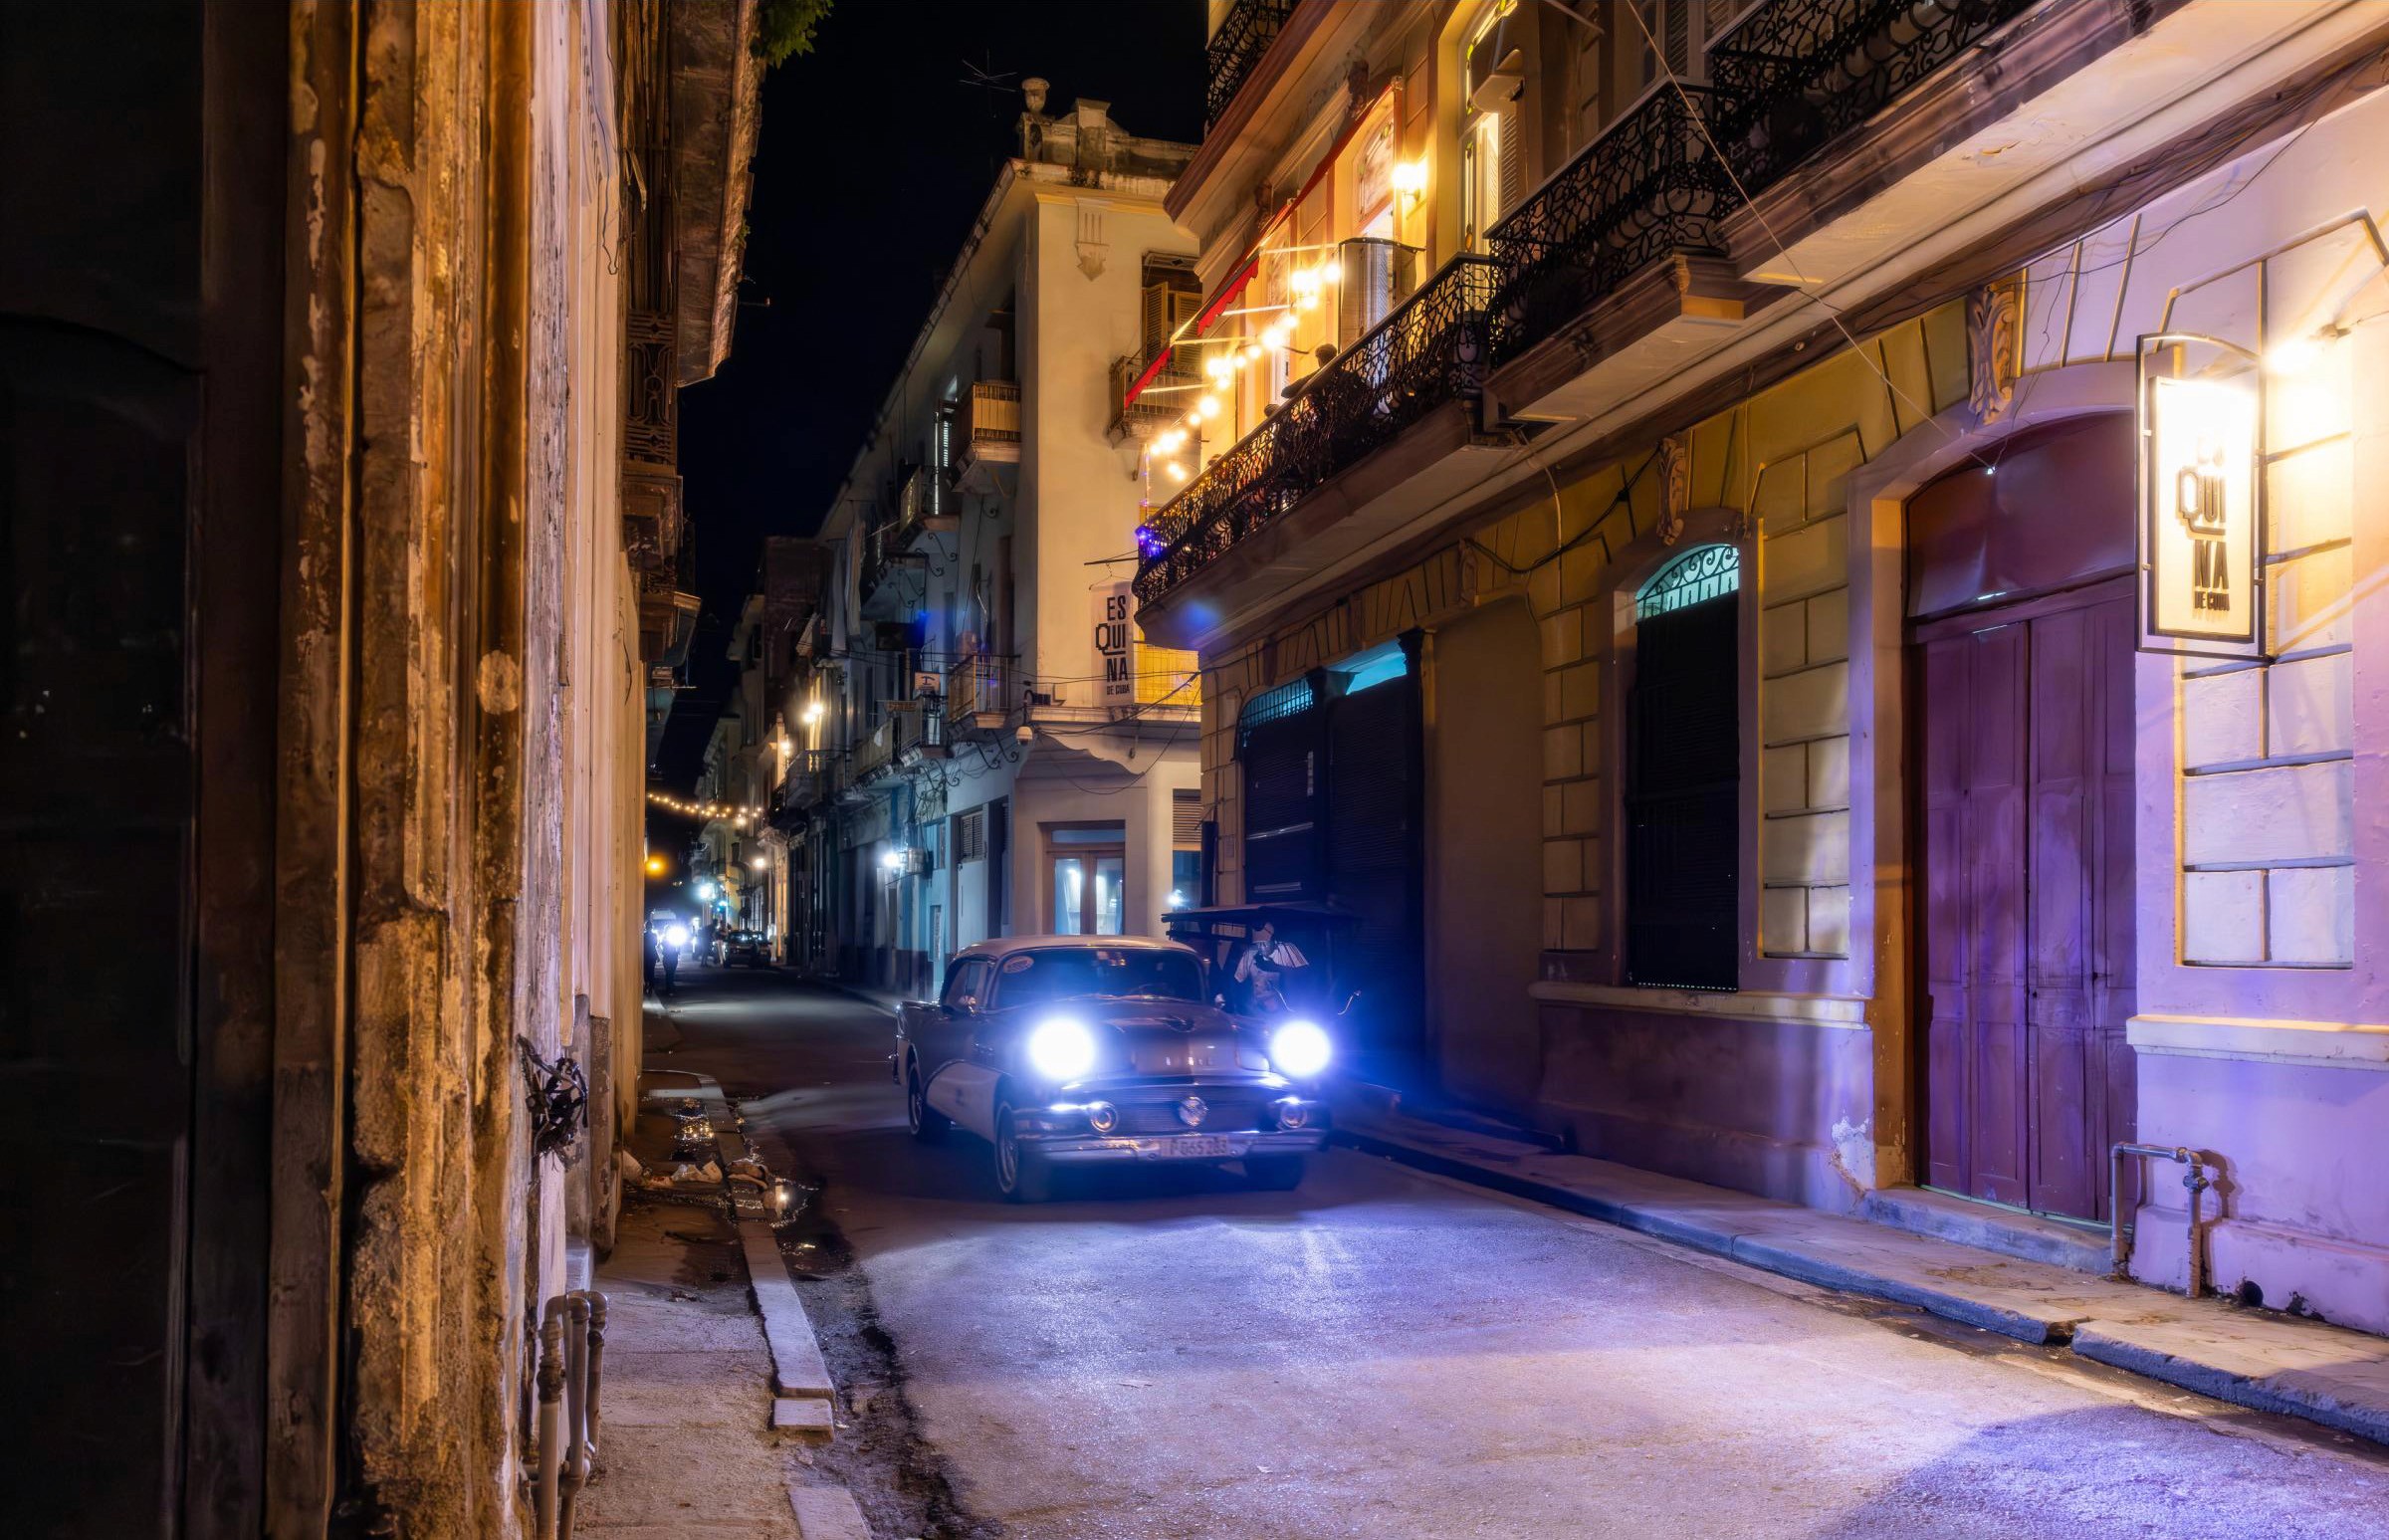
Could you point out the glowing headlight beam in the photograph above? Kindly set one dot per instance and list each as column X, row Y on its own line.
column 1300, row 1050
column 1061, row 1049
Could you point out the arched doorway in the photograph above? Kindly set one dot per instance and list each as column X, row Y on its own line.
column 2020, row 631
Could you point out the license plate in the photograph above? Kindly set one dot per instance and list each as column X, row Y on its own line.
column 1200, row 1147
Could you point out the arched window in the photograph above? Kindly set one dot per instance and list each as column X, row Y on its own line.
column 1683, row 774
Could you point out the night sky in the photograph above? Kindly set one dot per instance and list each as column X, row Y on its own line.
column 875, row 156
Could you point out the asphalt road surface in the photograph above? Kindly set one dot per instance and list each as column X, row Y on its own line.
column 1383, row 1353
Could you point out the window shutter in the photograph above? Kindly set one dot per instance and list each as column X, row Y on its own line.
column 1677, row 36
column 1513, row 160
column 1185, row 820
column 970, row 835
column 1158, row 311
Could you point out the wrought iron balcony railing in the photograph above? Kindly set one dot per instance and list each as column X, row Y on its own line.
column 980, row 693
column 1793, row 75
column 921, row 508
column 1160, row 404
column 807, row 782
column 919, row 729
column 1244, row 35
column 1650, row 186
column 1427, row 352
column 874, row 753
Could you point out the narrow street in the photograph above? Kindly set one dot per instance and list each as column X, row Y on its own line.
column 1384, row 1353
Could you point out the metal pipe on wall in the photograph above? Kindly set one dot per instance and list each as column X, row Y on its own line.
column 574, row 1457
column 551, row 1389
column 2195, row 1180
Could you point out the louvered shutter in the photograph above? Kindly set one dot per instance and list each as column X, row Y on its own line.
column 1513, row 160
column 1185, row 820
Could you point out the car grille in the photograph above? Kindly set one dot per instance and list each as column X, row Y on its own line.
column 1226, row 1113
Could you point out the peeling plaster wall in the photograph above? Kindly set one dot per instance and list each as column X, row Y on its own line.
column 469, row 747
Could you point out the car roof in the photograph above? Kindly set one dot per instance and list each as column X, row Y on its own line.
column 1005, row 946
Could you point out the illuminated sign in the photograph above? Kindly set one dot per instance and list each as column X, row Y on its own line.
column 2201, row 517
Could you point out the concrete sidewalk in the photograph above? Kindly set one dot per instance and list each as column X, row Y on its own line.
column 692, row 1440
column 2252, row 1358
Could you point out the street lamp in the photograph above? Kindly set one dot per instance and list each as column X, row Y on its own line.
column 655, row 867
column 760, row 862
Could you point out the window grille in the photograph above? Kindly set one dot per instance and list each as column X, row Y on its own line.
column 1275, row 706
column 1701, row 574
column 970, row 835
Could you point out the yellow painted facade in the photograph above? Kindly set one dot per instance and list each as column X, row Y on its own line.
column 1781, row 461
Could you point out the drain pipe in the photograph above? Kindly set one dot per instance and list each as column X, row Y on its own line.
column 2195, row 1180
column 576, row 1452
column 596, row 1374
column 551, row 1389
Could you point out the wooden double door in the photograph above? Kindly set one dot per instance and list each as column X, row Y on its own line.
column 2025, row 924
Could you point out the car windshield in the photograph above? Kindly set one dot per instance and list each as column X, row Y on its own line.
column 1120, row 972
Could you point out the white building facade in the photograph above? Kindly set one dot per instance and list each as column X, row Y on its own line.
column 980, row 744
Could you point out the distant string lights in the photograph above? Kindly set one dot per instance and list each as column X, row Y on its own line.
column 709, row 810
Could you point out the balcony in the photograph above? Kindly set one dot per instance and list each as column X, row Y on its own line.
column 1647, row 188
column 989, row 434
column 807, row 784
column 1244, row 35
column 1791, row 78
column 1423, row 363
column 873, row 755
column 921, row 510
column 981, row 692
column 889, row 575
column 1162, row 402
column 920, row 731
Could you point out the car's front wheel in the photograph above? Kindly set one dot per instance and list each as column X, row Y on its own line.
column 1274, row 1172
column 928, row 1123
column 1022, row 1175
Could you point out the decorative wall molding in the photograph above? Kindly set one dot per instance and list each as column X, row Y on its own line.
column 2329, row 1045
column 1840, row 1012
column 1675, row 487
column 1994, row 354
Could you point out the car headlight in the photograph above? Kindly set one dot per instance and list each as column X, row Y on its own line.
column 1061, row 1049
column 1300, row 1050
column 678, row 936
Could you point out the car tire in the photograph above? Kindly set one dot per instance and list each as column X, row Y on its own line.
column 1022, row 1175
column 1274, row 1172
column 928, row 1123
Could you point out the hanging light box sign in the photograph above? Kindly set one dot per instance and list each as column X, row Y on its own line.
column 1115, row 606
column 2201, row 524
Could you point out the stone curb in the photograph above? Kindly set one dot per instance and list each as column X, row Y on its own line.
column 799, row 1371
column 2321, row 1374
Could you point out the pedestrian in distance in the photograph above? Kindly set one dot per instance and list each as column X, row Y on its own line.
column 653, row 945
column 671, row 968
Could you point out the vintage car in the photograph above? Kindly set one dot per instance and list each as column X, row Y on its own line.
column 1067, row 1051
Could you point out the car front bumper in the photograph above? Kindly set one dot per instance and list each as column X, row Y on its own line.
column 1241, row 1119
column 1095, row 1149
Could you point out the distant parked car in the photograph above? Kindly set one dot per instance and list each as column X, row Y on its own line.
column 743, row 947
column 1065, row 1050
